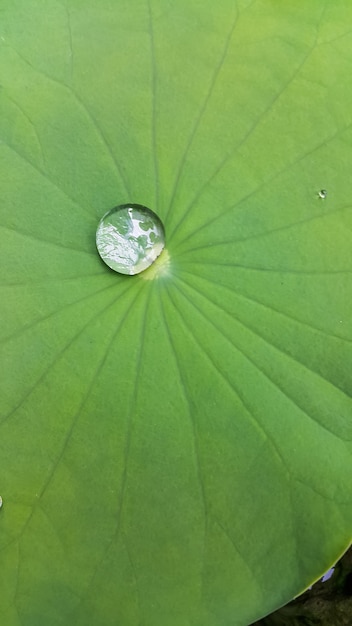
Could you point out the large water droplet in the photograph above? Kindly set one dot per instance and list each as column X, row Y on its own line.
column 130, row 238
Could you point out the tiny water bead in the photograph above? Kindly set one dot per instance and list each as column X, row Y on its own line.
column 322, row 194
column 130, row 238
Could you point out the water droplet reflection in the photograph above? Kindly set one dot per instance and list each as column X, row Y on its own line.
column 130, row 238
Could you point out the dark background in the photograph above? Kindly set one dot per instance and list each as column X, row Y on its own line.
column 326, row 604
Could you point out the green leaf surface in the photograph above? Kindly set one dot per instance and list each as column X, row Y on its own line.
column 175, row 445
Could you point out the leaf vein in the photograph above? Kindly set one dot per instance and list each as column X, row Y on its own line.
column 202, row 110
column 267, row 307
column 24, row 329
column 245, row 138
column 45, row 175
column 290, row 397
column 259, row 187
column 57, row 356
column 234, row 390
column 88, row 113
column 154, row 108
column 49, row 242
column 265, row 233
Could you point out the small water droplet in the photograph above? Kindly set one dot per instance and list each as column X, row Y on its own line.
column 322, row 194
column 0, row 502
column 130, row 238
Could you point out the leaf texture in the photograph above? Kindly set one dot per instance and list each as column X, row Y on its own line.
column 175, row 446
